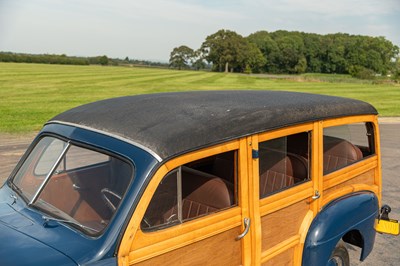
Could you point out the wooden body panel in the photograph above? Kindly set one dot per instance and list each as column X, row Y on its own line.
column 216, row 250
column 279, row 222
column 282, row 224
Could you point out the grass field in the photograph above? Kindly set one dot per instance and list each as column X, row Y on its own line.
column 32, row 93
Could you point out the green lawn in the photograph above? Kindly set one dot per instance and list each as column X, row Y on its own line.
column 32, row 93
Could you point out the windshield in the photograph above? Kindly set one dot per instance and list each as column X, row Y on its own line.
column 77, row 185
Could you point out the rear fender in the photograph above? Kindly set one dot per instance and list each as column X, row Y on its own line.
column 355, row 212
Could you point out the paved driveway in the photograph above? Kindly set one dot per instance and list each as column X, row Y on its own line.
column 387, row 248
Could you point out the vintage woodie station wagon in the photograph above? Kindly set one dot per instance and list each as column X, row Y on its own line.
column 198, row 178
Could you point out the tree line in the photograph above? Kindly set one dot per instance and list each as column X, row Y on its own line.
column 290, row 52
column 72, row 60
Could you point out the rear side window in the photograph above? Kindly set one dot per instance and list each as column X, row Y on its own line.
column 284, row 162
column 193, row 190
column 347, row 144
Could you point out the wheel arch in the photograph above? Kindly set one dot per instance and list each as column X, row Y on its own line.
column 350, row 218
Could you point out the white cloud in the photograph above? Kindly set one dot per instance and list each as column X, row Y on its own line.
column 150, row 29
column 331, row 7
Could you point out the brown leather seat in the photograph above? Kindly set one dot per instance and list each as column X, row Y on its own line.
column 201, row 194
column 339, row 153
column 279, row 170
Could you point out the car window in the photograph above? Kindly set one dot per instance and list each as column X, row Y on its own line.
column 193, row 190
column 347, row 144
column 284, row 162
column 51, row 148
column 81, row 186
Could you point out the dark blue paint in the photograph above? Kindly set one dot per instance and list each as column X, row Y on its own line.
column 355, row 211
column 24, row 240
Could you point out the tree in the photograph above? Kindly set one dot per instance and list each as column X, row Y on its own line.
column 253, row 60
column 229, row 51
column 267, row 47
column 181, row 57
column 290, row 51
column 222, row 49
column 103, row 60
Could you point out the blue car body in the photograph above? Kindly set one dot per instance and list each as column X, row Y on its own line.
column 35, row 241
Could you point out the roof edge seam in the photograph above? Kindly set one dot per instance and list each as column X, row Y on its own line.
column 153, row 153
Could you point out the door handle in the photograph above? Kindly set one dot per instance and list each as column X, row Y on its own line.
column 246, row 222
column 316, row 196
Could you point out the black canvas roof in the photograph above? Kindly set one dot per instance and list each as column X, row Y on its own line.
column 172, row 123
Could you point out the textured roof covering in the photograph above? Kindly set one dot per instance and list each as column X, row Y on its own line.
column 172, row 123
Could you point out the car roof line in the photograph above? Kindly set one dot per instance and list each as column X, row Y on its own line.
column 150, row 151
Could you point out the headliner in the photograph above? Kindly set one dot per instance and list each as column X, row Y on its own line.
column 169, row 124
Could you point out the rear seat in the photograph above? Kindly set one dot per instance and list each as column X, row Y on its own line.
column 339, row 153
column 202, row 194
column 279, row 170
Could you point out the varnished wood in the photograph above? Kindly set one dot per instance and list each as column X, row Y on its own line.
column 378, row 169
column 286, row 198
column 283, row 259
column 189, row 231
column 282, row 224
column 134, row 223
column 203, row 153
column 273, row 134
column 331, row 195
column 351, row 171
column 279, row 222
column 316, row 165
column 139, row 246
column 280, row 248
column 254, row 195
column 349, row 120
column 244, row 185
column 298, row 252
column 217, row 250
column 365, row 181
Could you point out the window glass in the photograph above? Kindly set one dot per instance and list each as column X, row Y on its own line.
column 284, row 162
column 78, row 157
column 54, row 147
column 347, row 144
column 193, row 190
column 76, row 185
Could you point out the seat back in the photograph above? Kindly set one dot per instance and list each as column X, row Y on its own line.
column 339, row 153
column 279, row 170
column 204, row 193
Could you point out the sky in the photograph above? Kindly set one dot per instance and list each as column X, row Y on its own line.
column 150, row 29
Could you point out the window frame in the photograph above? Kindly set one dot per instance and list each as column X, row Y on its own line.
column 285, row 154
column 53, row 172
column 139, row 244
column 178, row 178
column 372, row 119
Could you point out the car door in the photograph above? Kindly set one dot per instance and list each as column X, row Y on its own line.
column 286, row 192
column 195, row 211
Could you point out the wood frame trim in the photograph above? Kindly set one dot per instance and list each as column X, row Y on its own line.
column 282, row 132
column 250, row 205
column 372, row 162
column 348, row 120
column 289, row 196
column 344, row 174
column 285, row 198
column 152, row 244
column 254, row 195
column 158, row 243
column 298, row 192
